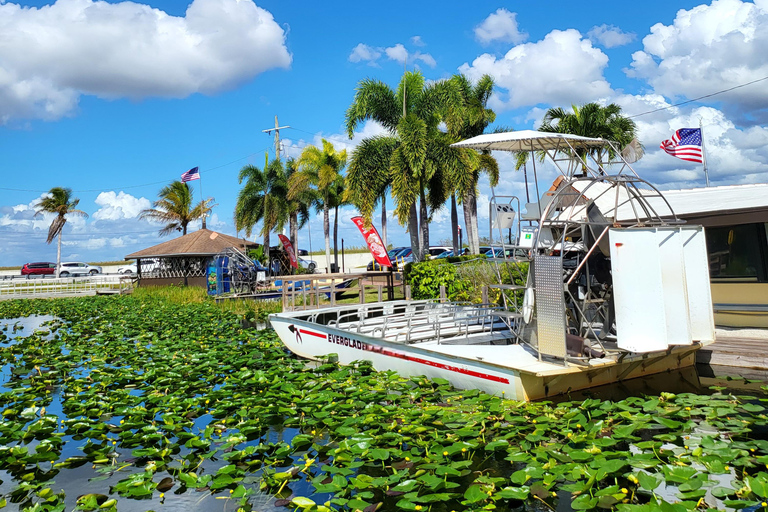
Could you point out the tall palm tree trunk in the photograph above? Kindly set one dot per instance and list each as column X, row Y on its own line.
column 58, row 254
column 413, row 229
column 424, row 226
column 336, row 237
column 266, row 250
column 384, row 220
column 470, row 222
column 327, row 233
column 294, row 228
column 454, row 225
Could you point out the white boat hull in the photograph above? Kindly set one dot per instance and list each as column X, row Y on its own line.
column 509, row 370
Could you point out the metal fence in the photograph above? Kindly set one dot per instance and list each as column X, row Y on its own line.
column 64, row 286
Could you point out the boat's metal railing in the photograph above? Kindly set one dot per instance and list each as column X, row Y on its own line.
column 424, row 321
column 86, row 285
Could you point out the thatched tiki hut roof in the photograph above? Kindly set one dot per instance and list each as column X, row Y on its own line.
column 183, row 260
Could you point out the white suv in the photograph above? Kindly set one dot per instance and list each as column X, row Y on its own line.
column 78, row 268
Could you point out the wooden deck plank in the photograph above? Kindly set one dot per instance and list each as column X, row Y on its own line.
column 736, row 352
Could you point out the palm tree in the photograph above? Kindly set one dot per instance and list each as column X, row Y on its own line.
column 319, row 178
column 298, row 208
column 408, row 157
column 263, row 199
column 590, row 120
column 60, row 202
column 174, row 208
column 468, row 119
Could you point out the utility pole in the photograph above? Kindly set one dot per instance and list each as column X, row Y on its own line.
column 276, row 129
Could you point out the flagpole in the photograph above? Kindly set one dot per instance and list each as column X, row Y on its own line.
column 703, row 153
column 200, row 179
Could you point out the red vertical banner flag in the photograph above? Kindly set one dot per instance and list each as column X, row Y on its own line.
column 289, row 249
column 374, row 242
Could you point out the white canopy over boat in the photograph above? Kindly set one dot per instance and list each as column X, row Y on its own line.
column 529, row 140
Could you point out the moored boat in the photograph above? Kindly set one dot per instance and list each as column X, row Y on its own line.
column 604, row 284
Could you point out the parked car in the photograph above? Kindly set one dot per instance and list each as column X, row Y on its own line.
column 310, row 265
column 436, row 251
column 447, row 254
column 78, row 268
column 396, row 256
column 130, row 269
column 38, row 268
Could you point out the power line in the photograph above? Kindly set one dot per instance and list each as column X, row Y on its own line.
column 700, row 97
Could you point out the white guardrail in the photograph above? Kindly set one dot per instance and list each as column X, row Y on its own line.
column 85, row 285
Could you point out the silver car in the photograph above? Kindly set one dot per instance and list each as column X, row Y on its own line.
column 78, row 268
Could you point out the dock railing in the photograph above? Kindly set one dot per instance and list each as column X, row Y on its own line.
column 310, row 291
column 64, row 286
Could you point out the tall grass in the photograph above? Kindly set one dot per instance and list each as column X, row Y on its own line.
column 250, row 309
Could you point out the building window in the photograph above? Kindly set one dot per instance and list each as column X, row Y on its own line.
column 738, row 253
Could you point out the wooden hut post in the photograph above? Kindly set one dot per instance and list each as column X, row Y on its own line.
column 362, row 289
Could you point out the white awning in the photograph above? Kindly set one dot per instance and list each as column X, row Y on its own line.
column 529, row 140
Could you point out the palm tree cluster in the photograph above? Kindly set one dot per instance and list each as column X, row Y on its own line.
column 413, row 161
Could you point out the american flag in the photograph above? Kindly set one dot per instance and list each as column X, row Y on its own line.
column 685, row 144
column 192, row 174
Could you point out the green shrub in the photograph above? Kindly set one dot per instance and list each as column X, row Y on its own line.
column 479, row 273
column 426, row 278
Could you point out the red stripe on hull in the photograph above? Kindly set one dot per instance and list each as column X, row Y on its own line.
column 302, row 331
column 427, row 362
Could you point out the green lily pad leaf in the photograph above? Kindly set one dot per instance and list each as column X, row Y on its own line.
column 759, row 485
column 497, row 445
column 302, row 502
column 514, row 493
column 475, row 494
column 722, row 492
column 584, row 502
column 649, row 482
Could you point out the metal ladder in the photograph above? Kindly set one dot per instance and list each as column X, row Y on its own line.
column 503, row 211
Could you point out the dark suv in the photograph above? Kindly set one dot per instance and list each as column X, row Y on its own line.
column 38, row 268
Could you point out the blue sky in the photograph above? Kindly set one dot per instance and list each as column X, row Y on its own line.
column 115, row 100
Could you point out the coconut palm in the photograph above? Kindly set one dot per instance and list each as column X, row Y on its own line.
column 175, row 208
column 408, row 157
column 589, row 120
column 60, row 202
column 468, row 119
column 263, row 199
column 320, row 181
column 297, row 208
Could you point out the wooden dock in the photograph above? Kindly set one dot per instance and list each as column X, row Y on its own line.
column 737, row 352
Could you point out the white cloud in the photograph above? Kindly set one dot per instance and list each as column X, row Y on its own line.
column 397, row 53
column 706, row 49
column 364, row 53
column 119, row 206
column 610, row 36
column 500, row 26
column 425, row 58
column 562, row 68
column 51, row 55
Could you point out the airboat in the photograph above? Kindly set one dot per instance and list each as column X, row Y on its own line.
column 598, row 282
